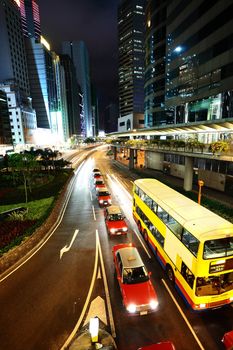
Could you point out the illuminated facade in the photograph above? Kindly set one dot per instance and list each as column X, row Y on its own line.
column 131, row 19
column 30, row 18
column 60, row 124
column 42, row 82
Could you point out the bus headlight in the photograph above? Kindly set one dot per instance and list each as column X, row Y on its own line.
column 154, row 304
column 131, row 308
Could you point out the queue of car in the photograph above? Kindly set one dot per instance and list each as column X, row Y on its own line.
column 138, row 294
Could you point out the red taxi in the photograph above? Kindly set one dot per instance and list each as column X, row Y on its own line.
column 164, row 345
column 104, row 197
column 114, row 220
column 138, row 294
column 97, row 176
column 99, row 183
column 228, row 340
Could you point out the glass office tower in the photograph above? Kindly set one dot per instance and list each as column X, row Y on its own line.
column 155, row 64
column 198, row 61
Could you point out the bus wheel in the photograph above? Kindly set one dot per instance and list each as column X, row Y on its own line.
column 145, row 234
column 170, row 273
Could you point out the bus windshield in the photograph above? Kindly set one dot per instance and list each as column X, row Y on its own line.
column 217, row 248
column 214, row 284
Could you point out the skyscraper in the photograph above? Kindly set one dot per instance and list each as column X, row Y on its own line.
column 199, row 84
column 189, row 76
column 77, row 51
column 30, row 17
column 42, row 81
column 13, row 64
column 72, row 95
column 155, row 64
column 5, row 128
column 131, row 21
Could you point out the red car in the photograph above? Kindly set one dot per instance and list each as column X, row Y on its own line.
column 99, row 183
column 138, row 294
column 114, row 220
column 228, row 340
column 164, row 345
column 97, row 176
column 104, row 197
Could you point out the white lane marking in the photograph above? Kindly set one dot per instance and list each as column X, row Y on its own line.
column 40, row 245
column 99, row 274
column 142, row 243
column 183, row 315
column 67, row 248
column 90, row 195
column 112, row 325
column 71, row 336
column 93, row 210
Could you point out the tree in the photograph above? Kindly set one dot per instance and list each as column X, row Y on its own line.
column 23, row 165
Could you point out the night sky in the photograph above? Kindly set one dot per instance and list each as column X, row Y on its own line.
column 94, row 22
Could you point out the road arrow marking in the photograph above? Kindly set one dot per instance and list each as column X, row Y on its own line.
column 97, row 308
column 67, row 248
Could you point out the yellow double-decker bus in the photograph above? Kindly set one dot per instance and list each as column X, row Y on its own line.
column 193, row 245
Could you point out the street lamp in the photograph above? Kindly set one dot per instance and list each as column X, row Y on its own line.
column 200, row 185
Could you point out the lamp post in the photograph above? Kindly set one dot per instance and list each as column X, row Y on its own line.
column 200, row 184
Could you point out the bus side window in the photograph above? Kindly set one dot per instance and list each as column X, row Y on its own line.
column 187, row 274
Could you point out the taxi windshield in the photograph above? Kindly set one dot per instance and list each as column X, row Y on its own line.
column 135, row 275
column 116, row 217
column 99, row 182
column 103, row 193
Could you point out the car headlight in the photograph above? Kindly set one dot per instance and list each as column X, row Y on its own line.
column 131, row 308
column 124, row 229
column 154, row 304
column 109, row 201
column 101, row 201
column 112, row 230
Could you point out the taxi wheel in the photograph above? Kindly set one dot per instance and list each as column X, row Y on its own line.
column 170, row 274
